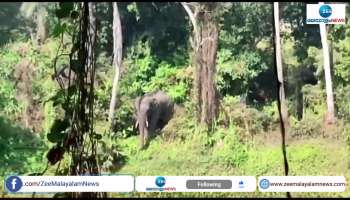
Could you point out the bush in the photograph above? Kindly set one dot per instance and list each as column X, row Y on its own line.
column 314, row 99
column 103, row 86
column 180, row 126
column 246, row 118
column 146, row 73
column 310, row 125
column 172, row 80
column 342, row 102
column 124, row 120
column 21, row 150
column 109, row 154
column 8, row 101
column 229, row 150
column 140, row 66
column 346, row 134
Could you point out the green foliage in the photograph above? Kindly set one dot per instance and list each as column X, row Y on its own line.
column 245, row 48
column 242, row 68
column 104, row 78
column 315, row 58
column 124, row 120
column 230, row 150
column 263, row 161
column 57, row 132
column 245, row 25
column 310, row 125
column 104, row 13
column 314, row 99
column 171, row 80
column 63, row 18
column 21, row 150
column 346, row 135
column 247, row 119
column 342, row 96
column 109, row 154
column 147, row 74
column 163, row 25
column 43, row 86
column 342, row 65
column 8, row 101
column 181, row 126
column 289, row 49
column 64, row 9
column 155, row 49
column 140, row 67
column 271, row 111
column 132, row 8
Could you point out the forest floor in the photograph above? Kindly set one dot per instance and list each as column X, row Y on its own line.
column 306, row 156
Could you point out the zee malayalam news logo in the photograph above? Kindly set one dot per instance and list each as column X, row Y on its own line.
column 325, row 13
column 160, row 182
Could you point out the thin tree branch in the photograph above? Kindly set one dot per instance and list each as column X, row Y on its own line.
column 192, row 17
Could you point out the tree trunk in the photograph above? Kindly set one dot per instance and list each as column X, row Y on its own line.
column 195, row 41
column 41, row 30
column 117, row 59
column 299, row 100
column 282, row 97
column 327, row 72
column 282, row 107
column 206, row 64
column 205, row 44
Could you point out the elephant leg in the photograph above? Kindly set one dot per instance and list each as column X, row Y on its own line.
column 142, row 139
column 145, row 137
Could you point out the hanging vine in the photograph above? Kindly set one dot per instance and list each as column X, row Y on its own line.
column 74, row 134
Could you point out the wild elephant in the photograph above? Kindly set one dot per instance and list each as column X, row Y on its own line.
column 153, row 111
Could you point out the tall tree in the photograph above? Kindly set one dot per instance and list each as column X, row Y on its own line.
column 41, row 28
column 37, row 12
column 282, row 108
column 205, row 43
column 327, row 73
column 117, row 59
column 282, row 97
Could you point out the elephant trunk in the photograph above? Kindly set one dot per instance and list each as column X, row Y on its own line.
column 142, row 123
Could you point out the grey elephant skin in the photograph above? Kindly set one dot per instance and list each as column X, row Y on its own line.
column 153, row 111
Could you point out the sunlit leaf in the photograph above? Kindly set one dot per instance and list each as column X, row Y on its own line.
column 57, row 30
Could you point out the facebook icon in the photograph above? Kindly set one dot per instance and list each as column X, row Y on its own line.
column 13, row 183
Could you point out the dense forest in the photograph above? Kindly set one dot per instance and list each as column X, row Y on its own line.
column 74, row 78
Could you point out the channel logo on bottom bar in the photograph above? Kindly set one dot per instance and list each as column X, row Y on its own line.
column 195, row 184
column 302, row 183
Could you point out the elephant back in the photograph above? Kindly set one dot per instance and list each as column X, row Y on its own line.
column 165, row 103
